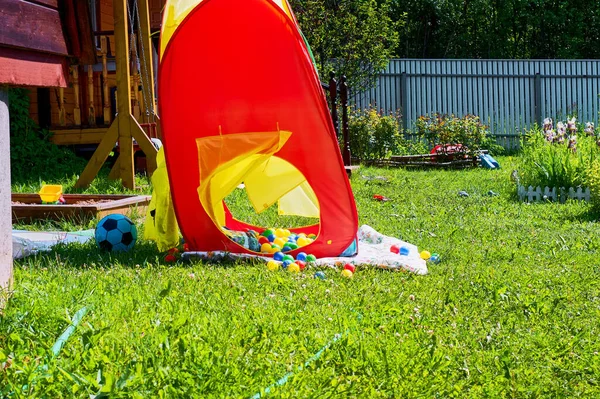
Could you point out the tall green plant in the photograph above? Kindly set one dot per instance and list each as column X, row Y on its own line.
column 373, row 135
column 555, row 165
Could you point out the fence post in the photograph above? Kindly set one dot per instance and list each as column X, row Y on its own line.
column 404, row 101
column 537, row 89
column 333, row 101
column 346, row 156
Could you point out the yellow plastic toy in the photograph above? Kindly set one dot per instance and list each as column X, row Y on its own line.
column 50, row 192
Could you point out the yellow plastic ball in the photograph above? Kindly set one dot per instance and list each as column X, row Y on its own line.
column 274, row 249
column 301, row 235
column 293, row 268
column 272, row 265
column 302, row 241
column 347, row 273
column 279, row 241
column 265, row 248
column 425, row 255
column 287, row 233
column 279, row 233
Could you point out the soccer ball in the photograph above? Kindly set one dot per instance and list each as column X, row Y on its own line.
column 116, row 233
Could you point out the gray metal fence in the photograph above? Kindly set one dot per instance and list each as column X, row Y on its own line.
column 508, row 95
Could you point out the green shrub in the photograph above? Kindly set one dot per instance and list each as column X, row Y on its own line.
column 593, row 182
column 373, row 136
column 554, row 164
column 450, row 129
column 32, row 155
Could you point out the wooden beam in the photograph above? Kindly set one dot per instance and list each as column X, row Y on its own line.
column 147, row 67
column 123, row 93
column 104, row 148
column 145, row 144
column 6, row 261
column 78, row 136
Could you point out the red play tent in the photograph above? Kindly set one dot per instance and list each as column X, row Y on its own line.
column 241, row 101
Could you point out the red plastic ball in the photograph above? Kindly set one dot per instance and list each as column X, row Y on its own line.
column 301, row 264
column 170, row 258
column 395, row 249
column 350, row 267
column 186, row 247
column 173, row 251
column 263, row 240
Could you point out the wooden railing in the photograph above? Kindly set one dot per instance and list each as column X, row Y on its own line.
column 87, row 115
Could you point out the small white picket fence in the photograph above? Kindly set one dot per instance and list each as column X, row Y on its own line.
column 561, row 194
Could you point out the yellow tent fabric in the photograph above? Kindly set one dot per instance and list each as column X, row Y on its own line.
column 225, row 161
column 161, row 223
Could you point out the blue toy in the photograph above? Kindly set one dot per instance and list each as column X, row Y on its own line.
column 404, row 251
column 301, row 256
column 278, row 256
column 320, row 275
column 116, row 233
column 488, row 162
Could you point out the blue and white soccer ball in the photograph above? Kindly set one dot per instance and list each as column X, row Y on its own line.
column 116, row 233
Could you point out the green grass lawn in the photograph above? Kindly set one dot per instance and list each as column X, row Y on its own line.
column 513, row 309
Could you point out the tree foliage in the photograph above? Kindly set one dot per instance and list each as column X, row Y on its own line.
column 351, row 37
column 535, row 29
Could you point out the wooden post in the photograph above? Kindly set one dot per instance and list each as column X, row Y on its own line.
column 135, row 81
column 104, row 51
column 76, row 109
column 344, row 92
column 537, row 90
column 146, row 64
column 333, row 101
column 91, row 108
column 6, row 261
column 62, row 115
column 124, row 128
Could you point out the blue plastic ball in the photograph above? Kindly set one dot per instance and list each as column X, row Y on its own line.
column 278, row 256
column 404, row 251
column 286, row 249
column 435, row 258
column 286, row 263
column 116, row 233
column 320, row 275
column 271, row 237
column 301, row 256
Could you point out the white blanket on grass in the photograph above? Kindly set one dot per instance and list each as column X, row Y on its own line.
column 373, row 251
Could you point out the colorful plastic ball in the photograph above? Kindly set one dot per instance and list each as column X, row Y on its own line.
column 263, row 240
column 278, row 233
column 170, row 258
column 435, row 258
column 278, row 256
column 404, row 251
column 347, row 273
column 279, row 241
column 301, row 256
column 312, row 236
column 186, row 247
column 173, row 251
column 286, row 263
column 320, row 275
column 286, row 248
column 274, row 249
column 275, row 246
column 311, row 258
column 272, row 265
column 302, row 241
column 271, row 237
column 294, row 268
column 425, row 255
column 291, row 245
column 395, row 249
column 350, row 267
column 265, row 248
column 286, row 233
column 301, row 264
column 291, row 239
column 267, row 233
column 288, row 257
